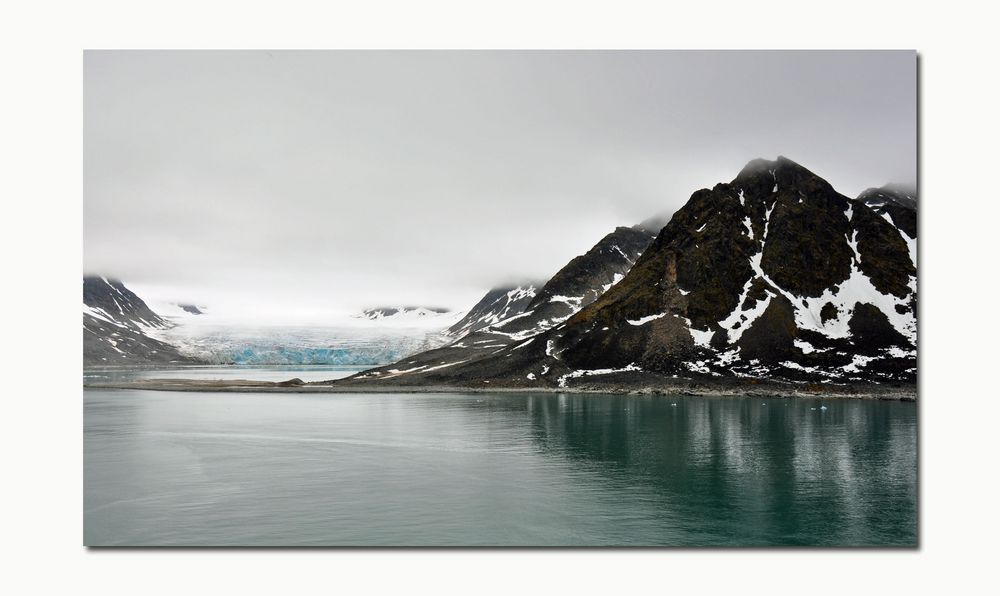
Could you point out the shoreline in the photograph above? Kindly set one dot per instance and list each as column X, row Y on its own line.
column 762, row 390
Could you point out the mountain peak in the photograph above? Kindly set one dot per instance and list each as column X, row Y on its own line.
column 766, row 178
column 760, row 164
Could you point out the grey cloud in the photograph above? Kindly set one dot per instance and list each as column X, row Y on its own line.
column 336, row 180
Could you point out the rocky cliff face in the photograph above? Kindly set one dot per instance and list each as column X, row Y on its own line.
column 117, row 327
column 774, row 275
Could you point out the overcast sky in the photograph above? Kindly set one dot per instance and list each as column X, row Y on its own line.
column 309, row 183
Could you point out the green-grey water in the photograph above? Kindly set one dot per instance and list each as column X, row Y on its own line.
column 168, row 468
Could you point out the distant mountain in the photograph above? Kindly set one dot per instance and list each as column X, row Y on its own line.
column 773, row 276
column 190, row 309
column 384, row 312
column 406, row 316
column 118, row 327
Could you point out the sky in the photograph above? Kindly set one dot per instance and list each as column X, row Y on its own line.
column 309, row 185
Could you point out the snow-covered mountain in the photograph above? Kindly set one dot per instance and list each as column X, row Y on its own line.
column 410, row 316
column 512, row 313
column 579, row 283
column 497, row 305
column 120, row 329
column 774, row 275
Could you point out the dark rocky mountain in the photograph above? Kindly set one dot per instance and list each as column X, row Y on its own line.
column 110, row 299
column 497, row 305
column 508, row 315
column 898, row 204
column 773, row 276
column 582, row 281
column 117, row 327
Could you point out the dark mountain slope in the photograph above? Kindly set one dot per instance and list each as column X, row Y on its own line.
column 117, row 328
column 497, row 305
column 109, row 298
column 774, row 275
column 506, row 316
column 900, row 205
column 580, row 282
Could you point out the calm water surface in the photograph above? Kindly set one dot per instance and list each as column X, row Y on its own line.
column 166, row 468
column 246, row 372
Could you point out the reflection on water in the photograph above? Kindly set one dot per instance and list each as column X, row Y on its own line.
column 495, row 469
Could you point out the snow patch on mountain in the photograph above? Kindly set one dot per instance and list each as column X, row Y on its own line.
column 497, row 305
column 596, row 371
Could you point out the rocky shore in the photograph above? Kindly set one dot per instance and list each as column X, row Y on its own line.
column 671, row 387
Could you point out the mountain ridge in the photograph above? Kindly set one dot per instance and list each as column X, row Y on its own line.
column 773, row 275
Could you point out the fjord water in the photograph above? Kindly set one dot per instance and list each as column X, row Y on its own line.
column 212, row 469
column 245, row 372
